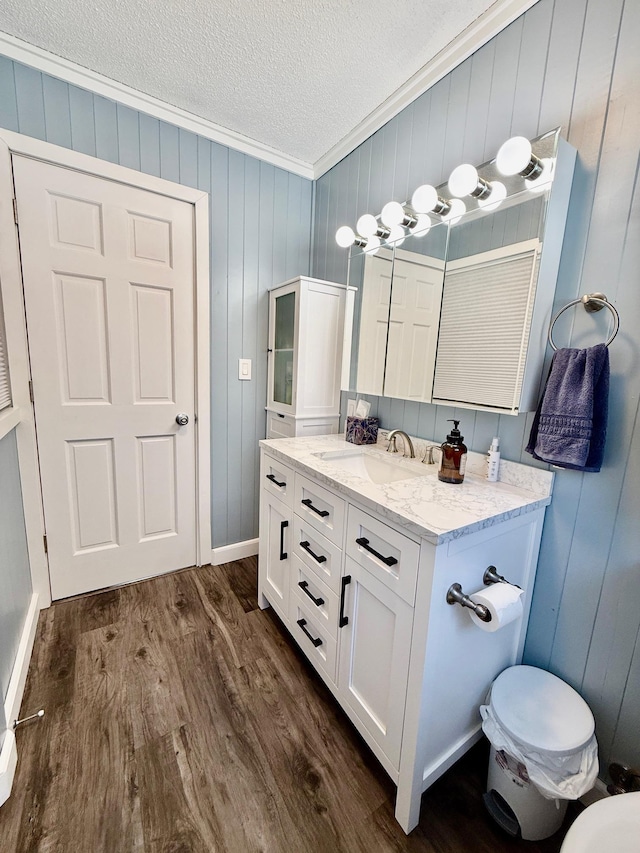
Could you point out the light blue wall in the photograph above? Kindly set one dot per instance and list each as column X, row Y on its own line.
column 575, row 64
column 260, row 235
column 15, row 580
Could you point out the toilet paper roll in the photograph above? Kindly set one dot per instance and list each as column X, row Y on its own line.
column 502, row 600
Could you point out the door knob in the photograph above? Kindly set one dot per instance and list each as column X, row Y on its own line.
column 182, row 419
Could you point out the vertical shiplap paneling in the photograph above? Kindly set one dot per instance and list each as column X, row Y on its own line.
column 15, row 579
column 57, row 111
column 30, row 100
column 8, row 99
column 456, row 118
column 106, row 121
column 150, row 145
column 188, row 143
column 401, row 189
column 169, row 152
column 571, row 64
column 83, row 126
column 598, row 495
column 128, row 137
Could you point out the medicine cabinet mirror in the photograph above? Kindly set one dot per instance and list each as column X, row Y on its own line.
column 458, row 314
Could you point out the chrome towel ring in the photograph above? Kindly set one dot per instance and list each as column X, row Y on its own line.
column 592, row 302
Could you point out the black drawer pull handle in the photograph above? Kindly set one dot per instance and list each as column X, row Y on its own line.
column 388, row 561
column 272, row 477
column 283, row 553
column 319, row 559
column 304, row 587
column 323, row 513
column 315, row 640
column 343, row 620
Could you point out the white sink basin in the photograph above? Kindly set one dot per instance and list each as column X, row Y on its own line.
column 369, row 466
column 610, row 824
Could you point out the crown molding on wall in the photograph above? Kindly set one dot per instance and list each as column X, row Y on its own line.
column 70, row 72
column 484, row 28
column 477, row 34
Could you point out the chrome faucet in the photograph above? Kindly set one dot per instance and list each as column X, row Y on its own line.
column 406, row 443
column 428, row 453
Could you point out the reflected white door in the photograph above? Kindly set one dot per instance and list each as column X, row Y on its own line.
column 374, row 321
column 108, row 275
column 416, row 297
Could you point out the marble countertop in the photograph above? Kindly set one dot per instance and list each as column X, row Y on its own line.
column 422, row 504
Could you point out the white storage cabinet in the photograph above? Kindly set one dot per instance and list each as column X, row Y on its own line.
column 306, row 329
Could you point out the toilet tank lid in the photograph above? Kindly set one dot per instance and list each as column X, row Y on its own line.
column 541, row 711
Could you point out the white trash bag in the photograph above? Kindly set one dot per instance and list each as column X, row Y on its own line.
column 565, row 777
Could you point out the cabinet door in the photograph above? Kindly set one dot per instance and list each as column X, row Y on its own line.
column 283, row 333
column 275, row 553
column 374, row 659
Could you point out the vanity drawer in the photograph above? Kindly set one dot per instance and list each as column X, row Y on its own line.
column 320, row 555
column 320, row 508
column 313, row 637
column 316, row 595
column 388, row 555
column 277, row 479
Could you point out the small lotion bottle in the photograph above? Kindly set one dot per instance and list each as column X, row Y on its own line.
column 493, row 461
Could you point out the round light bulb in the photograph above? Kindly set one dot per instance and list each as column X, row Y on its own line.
column 458, row 209
column 396, row 235
column 498, row 195
column 544, row 178
column 373, row 244
column 463, row 180
column 345, row 236
column 514, row 156
column 367, row 225
column 424, row 199
column 422, row 226
column 392, row 214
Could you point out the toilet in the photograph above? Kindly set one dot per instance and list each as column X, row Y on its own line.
column 610, row 824
column 535, row 720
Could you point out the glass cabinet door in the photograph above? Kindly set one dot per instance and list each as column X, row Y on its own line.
column 285, row 313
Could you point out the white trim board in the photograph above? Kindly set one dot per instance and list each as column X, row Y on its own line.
column 483, row 29
column 229, row 553
column 9, row 753
column 15, row 323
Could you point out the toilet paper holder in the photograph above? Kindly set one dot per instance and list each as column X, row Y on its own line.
column 455, row 595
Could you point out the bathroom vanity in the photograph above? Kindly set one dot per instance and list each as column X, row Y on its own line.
column 357, row 552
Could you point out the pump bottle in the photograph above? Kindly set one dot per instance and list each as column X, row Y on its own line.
column 454, row 457
column 493, row 460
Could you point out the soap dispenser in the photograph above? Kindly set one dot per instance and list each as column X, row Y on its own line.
column 454, row 457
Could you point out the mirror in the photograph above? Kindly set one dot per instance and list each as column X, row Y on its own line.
column 449, row 314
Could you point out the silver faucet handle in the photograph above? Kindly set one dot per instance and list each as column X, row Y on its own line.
column 427, row 459
column 392, row 446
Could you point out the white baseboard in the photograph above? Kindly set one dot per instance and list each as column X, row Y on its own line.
column 9, row 753
column 228, row 553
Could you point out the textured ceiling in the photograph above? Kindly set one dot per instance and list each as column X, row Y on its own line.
column 297, row 75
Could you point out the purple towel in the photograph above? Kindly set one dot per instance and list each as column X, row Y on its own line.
column 570, row 425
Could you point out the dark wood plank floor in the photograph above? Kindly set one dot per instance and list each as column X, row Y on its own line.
column 180, row 718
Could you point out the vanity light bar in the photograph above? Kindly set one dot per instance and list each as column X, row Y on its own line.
column 514, row 158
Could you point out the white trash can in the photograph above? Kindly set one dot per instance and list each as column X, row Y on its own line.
column 543, row 751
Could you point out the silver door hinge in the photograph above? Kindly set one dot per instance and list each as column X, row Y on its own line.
column 44, row 540
column 31, row 390
column 15, row 210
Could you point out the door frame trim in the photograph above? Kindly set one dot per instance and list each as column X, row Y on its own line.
column 17, row 347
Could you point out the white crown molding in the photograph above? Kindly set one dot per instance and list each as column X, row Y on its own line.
column 484, row 28
column 70, row 72
column 477, row 34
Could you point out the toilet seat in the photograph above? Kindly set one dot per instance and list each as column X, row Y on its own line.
column 541, row 711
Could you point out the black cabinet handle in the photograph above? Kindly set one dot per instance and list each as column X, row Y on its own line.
column 323, row 513
column 315, row 640
column 318, row 558
column 389, row 561
column 283, row 553
column 304, row 587
column 272, row 477
column 343, row 620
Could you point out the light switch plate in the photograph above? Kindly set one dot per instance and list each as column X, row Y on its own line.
column 244, row 368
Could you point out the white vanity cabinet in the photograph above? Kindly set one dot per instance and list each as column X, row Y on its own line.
column 306, row 329
column 364, row 596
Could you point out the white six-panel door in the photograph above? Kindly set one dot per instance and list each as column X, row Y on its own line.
column 108, row 275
